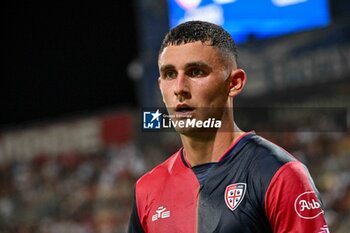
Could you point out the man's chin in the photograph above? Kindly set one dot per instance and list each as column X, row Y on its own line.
column 194, row 132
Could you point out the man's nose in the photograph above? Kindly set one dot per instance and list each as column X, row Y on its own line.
column 182, row 87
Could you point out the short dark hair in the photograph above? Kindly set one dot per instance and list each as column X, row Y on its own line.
column 193, row 31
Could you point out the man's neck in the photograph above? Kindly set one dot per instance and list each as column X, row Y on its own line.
column 200, row 150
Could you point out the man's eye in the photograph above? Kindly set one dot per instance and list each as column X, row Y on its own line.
column 196, row 73
column 170, row 74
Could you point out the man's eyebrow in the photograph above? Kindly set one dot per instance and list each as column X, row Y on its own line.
column 188, row 65
column 166, row 67
column 196, row 63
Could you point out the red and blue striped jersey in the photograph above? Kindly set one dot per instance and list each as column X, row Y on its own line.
column 256, row 186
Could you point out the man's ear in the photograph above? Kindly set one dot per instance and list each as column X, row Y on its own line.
column 238, row 80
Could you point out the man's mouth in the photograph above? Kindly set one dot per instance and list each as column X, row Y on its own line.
column 184, row 109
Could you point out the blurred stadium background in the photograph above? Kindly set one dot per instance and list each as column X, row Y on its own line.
column 74, row 79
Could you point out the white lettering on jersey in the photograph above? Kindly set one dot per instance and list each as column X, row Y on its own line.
column 161, row 213
column 324, row 229
column 307, row 206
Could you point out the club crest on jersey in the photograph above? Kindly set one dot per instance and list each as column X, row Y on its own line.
column 234, row 195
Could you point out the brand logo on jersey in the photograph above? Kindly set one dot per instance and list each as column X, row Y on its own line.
column 234, row 195
column 307, row 205
column 161, row 213
column 324, row 229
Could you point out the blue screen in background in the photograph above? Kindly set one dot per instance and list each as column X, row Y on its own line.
column 258, row 18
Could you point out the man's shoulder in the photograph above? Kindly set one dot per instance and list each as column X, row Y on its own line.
column 267, row 150
column 160, row 172
column 265, row 158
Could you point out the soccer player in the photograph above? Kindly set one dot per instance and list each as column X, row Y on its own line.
column 222, row 180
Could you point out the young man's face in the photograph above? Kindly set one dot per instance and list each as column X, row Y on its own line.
column 194, row 80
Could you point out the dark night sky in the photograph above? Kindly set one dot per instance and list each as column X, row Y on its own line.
column 63, row 60
column 67, row 60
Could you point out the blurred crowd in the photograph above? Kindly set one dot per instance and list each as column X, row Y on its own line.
column 92, row 193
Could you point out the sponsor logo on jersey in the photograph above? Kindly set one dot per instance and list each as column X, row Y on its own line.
column 307, row 205
column 160, row 214
column 234, row 195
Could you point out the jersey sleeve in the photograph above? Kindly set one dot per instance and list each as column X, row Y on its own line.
column 134, row 222
column 292, row 203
